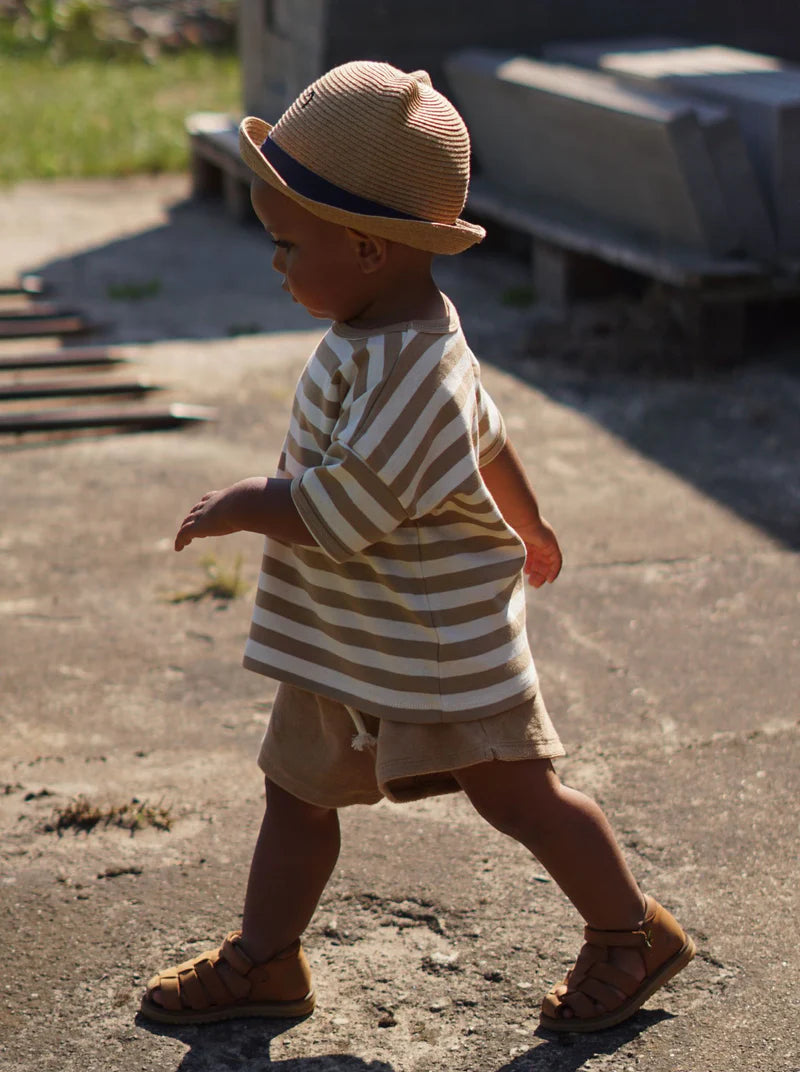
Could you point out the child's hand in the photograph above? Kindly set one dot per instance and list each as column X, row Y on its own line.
column 212, row 516
column 544, row 559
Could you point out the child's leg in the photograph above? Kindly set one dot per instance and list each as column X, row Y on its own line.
column 295, row 854
column 632, row 946
column 565, row 830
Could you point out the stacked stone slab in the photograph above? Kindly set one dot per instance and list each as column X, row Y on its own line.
column 573, row 141
column 761, row 92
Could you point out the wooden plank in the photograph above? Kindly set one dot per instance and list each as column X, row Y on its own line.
column 28, row 284
column 98, row 356
column 73, row 387
column 34, row 310
column 132, row 417
column 56, row 325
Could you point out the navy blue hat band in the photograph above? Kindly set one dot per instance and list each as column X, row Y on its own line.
column 308, row 184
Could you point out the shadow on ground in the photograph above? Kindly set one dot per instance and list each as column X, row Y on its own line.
column 244, row 1047
column 731, row 433
column 569, row 1053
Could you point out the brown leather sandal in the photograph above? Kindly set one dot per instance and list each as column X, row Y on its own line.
column 224, row 983
column 665, row 949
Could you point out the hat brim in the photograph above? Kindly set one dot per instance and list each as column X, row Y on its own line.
column 421, row 234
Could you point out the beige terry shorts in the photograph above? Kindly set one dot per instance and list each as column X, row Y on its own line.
column 307, row 750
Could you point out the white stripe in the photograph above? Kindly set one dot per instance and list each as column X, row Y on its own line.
column 494, row 694
column 328, row 578
column 323, row 676
column 364, row 692
column 337, row 523
column 363, row 656
column 489, row 660
column 387, row 628
column 397, row 407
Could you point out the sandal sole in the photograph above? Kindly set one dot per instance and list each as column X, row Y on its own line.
column 276, row 1010
column 632, row 1004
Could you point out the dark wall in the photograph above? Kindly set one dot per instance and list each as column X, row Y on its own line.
column 418, row 33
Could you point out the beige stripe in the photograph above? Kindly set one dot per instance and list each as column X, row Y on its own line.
column 423, row 683
column 451, row 515
column 392, row 423
column 420, row 683
column 421, row 615
column 329, row 493
column 427, row 464
column 313, row 394
column 330, row 597
column 464, row 578
column 428, row 714
column 362, row 359
column 465, row 546
column 387, row 396
column 327, row 356
column 439, row 467
column 303, row 456
column 486, row 679
column 363, row 478
column 400, row 587
column 366, row 638
column 344, row 621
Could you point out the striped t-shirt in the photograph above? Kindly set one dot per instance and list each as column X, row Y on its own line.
column 412, row 605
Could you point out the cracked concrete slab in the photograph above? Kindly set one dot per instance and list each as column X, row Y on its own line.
column 667, row 650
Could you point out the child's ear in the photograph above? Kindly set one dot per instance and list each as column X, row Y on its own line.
column 370, row 250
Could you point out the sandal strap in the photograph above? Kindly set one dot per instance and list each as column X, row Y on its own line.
column 642, row 936
column 232, row 953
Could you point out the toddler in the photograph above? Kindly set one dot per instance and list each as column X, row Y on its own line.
column 390, row 603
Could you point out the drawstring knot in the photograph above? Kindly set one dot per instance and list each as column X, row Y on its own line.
column 362, row 739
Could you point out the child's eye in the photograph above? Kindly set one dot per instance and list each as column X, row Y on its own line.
column 280, row 243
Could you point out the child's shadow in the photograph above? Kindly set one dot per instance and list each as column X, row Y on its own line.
column 570, row 1052
column 244, row 1045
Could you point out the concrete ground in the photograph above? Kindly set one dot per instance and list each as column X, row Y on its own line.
column 668, row 652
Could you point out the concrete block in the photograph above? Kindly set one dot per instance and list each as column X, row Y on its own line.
column 761, row 92
column 591, row 53
column 559, row 136
column 746, row 204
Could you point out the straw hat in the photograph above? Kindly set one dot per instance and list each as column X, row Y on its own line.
column 370, row 147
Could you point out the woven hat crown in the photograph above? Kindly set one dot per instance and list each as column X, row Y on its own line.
column 383, row 135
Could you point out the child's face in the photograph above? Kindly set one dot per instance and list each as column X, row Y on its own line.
column 317, row 259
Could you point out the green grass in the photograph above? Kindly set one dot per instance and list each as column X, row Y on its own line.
column 93, row 116
column 222, row 581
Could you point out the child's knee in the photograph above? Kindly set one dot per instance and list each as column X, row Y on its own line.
column 513, row 797
column 283, row 802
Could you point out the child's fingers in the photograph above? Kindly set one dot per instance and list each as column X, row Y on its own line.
column 542, row 568
column 184, row 536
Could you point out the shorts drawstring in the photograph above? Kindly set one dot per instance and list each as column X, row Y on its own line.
column 362, row 739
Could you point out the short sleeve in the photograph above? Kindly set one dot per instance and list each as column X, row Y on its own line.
column 491, row 427
column 345, row 505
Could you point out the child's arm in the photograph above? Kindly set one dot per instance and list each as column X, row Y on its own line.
column 255, row 504
column 506, row 480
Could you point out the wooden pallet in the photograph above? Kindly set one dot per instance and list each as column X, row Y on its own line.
column 574, row 256
column 76, row 373
column 125, row 417
column 32, row 285
column 73, row 387
column 97, row 357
